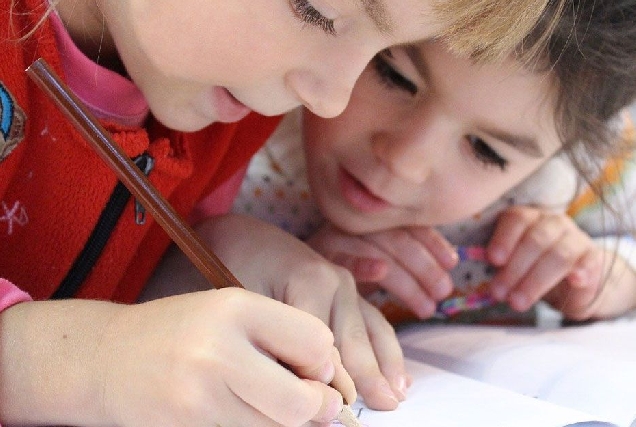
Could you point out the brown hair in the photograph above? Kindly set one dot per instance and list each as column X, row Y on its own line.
column 23, row 33
column 591, row 54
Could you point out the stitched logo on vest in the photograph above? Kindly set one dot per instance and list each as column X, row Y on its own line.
column 13, row 215
column 12, row 123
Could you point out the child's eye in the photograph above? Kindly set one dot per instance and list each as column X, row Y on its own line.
column 309, row 15
column 390, row 76
column 485, row 154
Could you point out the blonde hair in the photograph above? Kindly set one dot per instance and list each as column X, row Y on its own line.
column 481, row 29
column 492, row 29
column 24, row 33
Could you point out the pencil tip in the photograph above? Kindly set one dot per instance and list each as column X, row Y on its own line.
column 347, row 418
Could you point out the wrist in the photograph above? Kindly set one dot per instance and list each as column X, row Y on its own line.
column 49, row 370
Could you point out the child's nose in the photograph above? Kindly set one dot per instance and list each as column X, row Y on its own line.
column 325, row 97
column 398, row 156
column 411, row 149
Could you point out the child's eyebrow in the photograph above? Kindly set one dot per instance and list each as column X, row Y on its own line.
column 525, row 144
column 376, row 10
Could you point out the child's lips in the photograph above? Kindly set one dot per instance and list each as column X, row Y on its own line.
column 228, row 108
column 359, row 196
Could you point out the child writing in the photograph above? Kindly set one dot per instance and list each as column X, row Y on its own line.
column 175, row 83
column 489, row 155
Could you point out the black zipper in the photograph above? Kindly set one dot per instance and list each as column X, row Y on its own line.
column 107, row 221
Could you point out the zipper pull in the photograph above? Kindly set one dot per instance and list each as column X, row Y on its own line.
column 145, row 163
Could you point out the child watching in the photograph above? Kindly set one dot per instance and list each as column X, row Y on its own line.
column 171, row 81
column 491, row 155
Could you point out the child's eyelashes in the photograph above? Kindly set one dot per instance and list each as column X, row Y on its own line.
column 309, row 15
column 393, row 79
column 390, row 77
column 485, row 154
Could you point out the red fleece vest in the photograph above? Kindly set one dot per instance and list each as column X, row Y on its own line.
column 53, row 187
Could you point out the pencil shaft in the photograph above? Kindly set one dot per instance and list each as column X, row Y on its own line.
column 136, row 182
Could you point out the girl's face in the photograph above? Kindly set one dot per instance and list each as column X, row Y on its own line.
column 429, row 139
column 201, row 61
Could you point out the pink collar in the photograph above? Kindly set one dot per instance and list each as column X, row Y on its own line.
column 107, row 94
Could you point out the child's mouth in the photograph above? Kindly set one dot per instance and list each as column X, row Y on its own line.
column 228, row 108
column 358, row 195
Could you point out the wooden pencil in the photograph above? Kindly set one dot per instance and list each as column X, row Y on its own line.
column 140, row 186
column 137, row 183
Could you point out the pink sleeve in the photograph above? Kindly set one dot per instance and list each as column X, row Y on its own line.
column 220, row 201
column 11, row 294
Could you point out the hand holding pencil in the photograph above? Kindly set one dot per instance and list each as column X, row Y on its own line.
column 210, row 351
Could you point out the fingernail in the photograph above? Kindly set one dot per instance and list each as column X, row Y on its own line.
column 449, row 258
column 385, row 388
column 327, row 372
column 400, row 385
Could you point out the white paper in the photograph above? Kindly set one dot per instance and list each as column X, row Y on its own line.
column 439, row 398
column 588, row 368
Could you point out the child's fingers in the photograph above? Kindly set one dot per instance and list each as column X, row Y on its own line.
column 235, row 412
column 305, row 345
column 397, row 260
column 508, row 276
column 437, row 245
column 554, row 264
column 388, row 351
column 576, row 296
column 362, row 258
column 587, row 271
column 339, row 306
column 288, row 400
column 615, row 291
column 413, row 256
column 510, row 228
column 575, row 303
column 409, row 257
column 414, row 295
column 363, row 269
column 203, row 364
column 540, row 238
column 353, row 339
column 294, row 337
column 342, row 381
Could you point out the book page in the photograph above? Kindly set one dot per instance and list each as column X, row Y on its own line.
column 589, row 368
column 439, row 398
